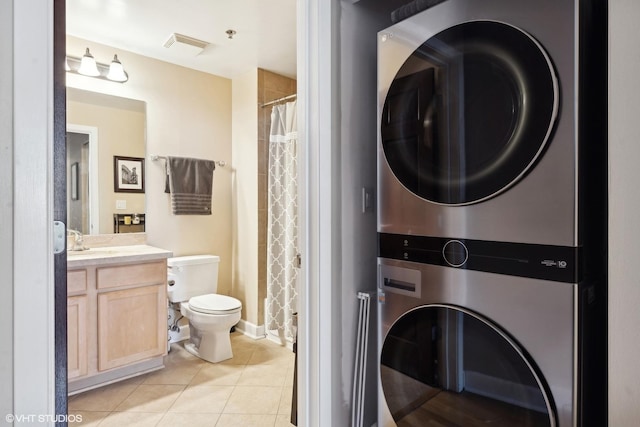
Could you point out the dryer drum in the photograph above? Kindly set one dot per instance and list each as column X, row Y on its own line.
column 469, row 112
column 447, row 365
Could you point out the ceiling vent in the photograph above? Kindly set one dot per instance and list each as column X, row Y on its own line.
column 185, row 44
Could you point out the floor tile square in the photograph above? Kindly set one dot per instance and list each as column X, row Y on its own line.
column 267, row 375
column 202, row 399
column 285, row 401
column 137, row 419
column 174, row 419
column 151, row 398
column 253, row 400
column 218, row 374
column 86, row 418
column 101, row 399
column 180, row 372
column 271, row 355
column 244, row 420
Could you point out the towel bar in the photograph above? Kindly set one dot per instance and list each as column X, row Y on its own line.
column 155, row 157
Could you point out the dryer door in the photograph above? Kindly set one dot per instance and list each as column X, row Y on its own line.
column 444, row 365
column 469, row 112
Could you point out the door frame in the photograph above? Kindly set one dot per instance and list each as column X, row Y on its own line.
column 6, row 210
column 39, row 357
column 319, row 398
column 94, row 199
column 319, row 367
column 59, row 184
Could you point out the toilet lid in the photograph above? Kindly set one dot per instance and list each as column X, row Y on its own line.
column 215, row 304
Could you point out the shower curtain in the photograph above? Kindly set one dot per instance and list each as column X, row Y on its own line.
column 282, row 224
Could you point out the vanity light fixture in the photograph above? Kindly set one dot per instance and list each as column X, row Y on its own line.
column 87, row 66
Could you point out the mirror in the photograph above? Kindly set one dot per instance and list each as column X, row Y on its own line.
column 100, row 127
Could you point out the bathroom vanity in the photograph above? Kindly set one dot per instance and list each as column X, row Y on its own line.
column 116, row 313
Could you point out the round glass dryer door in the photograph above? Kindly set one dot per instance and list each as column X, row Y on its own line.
column 469, row 112
column 443, row 365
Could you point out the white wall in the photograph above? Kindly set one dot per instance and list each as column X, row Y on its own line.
column 245, row 193
column 6, row 209
column 359, row 24
column 31, row 205
column 188, row 114
column 624, row 206
column 358, row 157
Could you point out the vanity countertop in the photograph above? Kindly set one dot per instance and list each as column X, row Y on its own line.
column 115, row 254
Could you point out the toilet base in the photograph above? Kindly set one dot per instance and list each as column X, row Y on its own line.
column 213, row 348
column 210, row 338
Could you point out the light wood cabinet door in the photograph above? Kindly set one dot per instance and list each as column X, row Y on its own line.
column 76, row 281
column 132, row 325
column 77, row 336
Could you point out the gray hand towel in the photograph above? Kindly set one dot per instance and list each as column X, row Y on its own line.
column 190, row 185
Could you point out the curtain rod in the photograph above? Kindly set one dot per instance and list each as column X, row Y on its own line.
column 275, row 101
column 155, row 157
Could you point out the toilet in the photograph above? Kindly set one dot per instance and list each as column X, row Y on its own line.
column 192, row 283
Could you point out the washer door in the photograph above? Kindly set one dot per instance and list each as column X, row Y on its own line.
column 469, row 112
column 444, row 365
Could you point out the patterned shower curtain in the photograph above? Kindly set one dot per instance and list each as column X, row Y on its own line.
column 282, row 223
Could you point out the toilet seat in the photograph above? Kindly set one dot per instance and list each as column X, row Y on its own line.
column 215, row 304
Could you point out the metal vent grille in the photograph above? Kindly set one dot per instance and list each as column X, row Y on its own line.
column 182, row 41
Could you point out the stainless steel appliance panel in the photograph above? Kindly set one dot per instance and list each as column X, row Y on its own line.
column 540, row 208
column 539, row 315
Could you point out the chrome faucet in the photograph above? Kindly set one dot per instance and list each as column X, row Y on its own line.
column 78, row 240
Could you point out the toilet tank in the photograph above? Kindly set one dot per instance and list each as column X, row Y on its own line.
column 191, row 276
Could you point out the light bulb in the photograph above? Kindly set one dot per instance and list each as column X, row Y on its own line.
column 88, row 66
column 116, row 71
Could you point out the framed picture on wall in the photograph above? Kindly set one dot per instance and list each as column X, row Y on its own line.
column 128, row 174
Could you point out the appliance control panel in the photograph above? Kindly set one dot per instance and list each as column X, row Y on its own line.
column 548, row 262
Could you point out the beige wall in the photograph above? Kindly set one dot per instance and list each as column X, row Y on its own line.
column 188, row 114
column 121, row 132
column 245, row 194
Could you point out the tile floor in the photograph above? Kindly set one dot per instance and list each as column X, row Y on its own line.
column 252, row 389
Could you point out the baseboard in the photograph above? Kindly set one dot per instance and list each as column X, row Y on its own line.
column 278, row 340
column 80, row 385
column 251, row 330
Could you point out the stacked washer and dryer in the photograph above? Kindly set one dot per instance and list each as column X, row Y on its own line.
column 492, row 204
